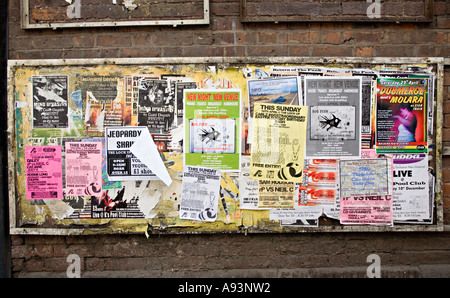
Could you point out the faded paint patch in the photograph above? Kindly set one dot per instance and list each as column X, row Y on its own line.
column 129, row 5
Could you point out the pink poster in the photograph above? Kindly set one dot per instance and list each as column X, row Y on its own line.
column 83, row 168
column 369, row 209
column 44, row 172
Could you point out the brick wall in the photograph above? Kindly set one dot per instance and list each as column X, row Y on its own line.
column 297, row 255
column 317, row 254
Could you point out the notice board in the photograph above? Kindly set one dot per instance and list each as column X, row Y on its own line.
column 225, row 145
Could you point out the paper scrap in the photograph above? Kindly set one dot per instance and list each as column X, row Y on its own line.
column 145, row 150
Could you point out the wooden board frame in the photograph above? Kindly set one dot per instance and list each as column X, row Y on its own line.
column 115, row 226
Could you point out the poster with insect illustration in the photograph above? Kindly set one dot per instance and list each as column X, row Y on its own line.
column 212, row 120
column 334, row 119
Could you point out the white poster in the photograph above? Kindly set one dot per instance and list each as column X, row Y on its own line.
column 411, row 187
column 200, row 193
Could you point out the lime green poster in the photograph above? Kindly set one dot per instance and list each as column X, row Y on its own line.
column 212, row 121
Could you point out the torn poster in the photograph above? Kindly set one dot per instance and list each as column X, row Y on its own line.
column 411, row 187
column 144, row 148
column 83, row 163
column 334, row 119
column 212, row 121
column 50, row 101
column 121, row 163
column 278, row 145
column 248, row 188
column 130, row 108
column 291, row 216
column 116, row 203
column 44, row 172
column 179, row 88
column 300, row 215
column 104, row 103
column 200, row 193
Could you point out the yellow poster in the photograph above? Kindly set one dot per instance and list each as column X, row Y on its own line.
column 278, row 142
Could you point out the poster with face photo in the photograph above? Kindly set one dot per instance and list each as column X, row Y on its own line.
column 50, row 101
column 401, row 124
column 156, row 105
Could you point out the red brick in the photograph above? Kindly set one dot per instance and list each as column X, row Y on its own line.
column 446, row 134
column 35, row 265
column 299, row 50
column 443, row 23
column 331, row 38
column 267, row 37
column 369, row 37
column 299, row 37
column 114, row 41
column 364, row 51
column 329, row 51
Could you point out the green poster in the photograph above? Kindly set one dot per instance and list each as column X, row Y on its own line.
column 212, row 120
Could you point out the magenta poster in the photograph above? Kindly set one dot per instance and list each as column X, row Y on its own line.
column 44, row 172
column 83, row 166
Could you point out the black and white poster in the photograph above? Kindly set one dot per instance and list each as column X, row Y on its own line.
column 156, row 105
column 50, row 101
column 121, row 163
column 180, row 86
column 334, row 117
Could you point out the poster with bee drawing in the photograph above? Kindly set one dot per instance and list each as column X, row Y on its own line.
column 334, row 117
column 212, row 131
column 278, row 143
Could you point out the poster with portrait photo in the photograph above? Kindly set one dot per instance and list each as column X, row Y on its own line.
column 50, row 101
column 156, row 105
